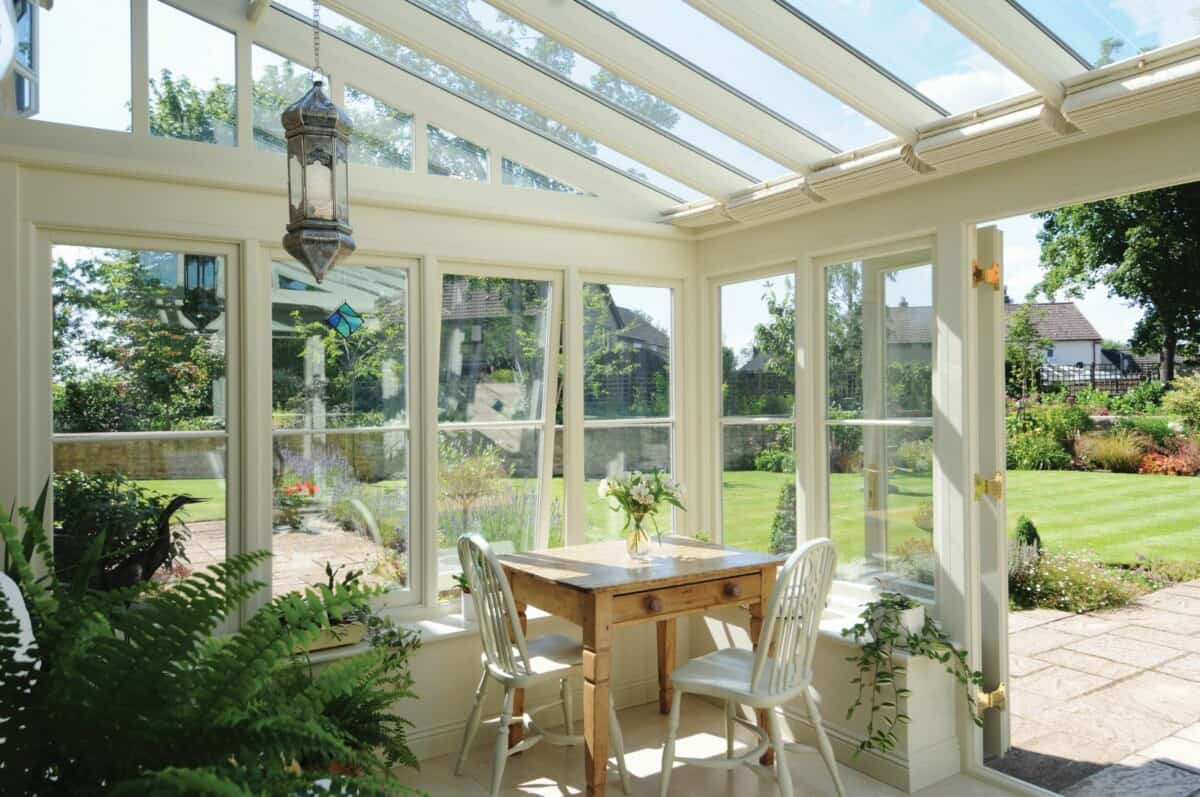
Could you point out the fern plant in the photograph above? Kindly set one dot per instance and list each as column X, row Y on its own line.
column 129, row 692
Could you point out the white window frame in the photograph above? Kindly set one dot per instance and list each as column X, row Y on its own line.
column 30, row 73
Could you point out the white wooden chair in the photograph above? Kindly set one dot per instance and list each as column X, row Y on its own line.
column 777, row 673
column 517, row 663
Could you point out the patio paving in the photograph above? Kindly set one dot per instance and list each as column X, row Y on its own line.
column 1108, row 703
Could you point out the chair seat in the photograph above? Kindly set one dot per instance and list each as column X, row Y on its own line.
column 726, row 674
column 550, row 655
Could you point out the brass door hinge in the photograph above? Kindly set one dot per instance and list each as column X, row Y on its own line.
column 993, row 487
column 990, row 275
column 997, row 698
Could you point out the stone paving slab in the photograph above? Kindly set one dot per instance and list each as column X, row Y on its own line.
column 1083, row 662
column 1124, row 650
column 1153, row 778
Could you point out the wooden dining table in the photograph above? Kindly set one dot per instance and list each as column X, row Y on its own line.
column 600, row 588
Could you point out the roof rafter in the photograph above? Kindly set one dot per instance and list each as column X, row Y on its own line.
column 543, row 91
column 589, row 31
column 783, row 33
column 1016, row 41
column 255, row 9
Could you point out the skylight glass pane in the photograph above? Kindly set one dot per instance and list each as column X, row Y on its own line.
column 520, row 38
column 520, row 175
column 383, row 136
column 450, row 80
column 1103, row 31
column 451, row 155
column 920, row 48
column 193, row 78
column 278, row 83
column 711, row 46
column 84, row 73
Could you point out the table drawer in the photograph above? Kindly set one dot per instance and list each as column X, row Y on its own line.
column 672, row 601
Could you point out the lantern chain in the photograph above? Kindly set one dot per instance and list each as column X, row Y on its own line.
column 317, row 40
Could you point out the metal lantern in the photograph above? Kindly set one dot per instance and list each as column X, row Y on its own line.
column 318, row 138
column 201, row 303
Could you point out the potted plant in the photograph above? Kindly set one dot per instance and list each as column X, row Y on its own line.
column 883, row 627
column 640, row 496
column 468, row 602
column 294, row 500
column 350, row 628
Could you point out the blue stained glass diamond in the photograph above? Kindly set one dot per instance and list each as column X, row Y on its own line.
column 344, row 320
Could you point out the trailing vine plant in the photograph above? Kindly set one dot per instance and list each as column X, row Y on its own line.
column 878, row 633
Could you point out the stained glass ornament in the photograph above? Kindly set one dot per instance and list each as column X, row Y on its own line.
column 344, row 320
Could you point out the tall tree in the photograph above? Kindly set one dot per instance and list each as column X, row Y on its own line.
column 1145, row 248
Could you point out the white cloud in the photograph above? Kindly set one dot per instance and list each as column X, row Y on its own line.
column 1162, row 22
column 976, row 80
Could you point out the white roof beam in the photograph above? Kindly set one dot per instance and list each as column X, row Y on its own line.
column 1015, row 40
column 547, row 93
column 784, row 34
column 617, row 48
column 255, row 9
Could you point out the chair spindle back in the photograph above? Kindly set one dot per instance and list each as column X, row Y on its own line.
column 499, row 625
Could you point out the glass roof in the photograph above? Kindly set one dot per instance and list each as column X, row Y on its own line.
column 920, row 48
column 516, row 37
column 714, row 48
column 443, row 76
column 1103, row 31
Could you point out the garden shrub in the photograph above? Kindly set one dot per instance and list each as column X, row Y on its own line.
column 1145, row 397
column 1064, row 422
column 1027, row 533
column 1093, row 401
column 1068, row 581
column 1158, row 573
column 775, row 460
column 783, row 528
column 923, row 516
column 915, row 455
column 1157, row 429
column 915, row 560
column 845, row 444
column 1120, row 451
column 1184, row 460
column 1036, row 451
column 1184, row 400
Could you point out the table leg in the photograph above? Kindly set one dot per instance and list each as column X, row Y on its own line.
column 666, row 664
column 757, row 609
column 597, row 661
column 516, row 733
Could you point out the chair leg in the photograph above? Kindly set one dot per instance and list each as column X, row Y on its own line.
column 668, row 759
column 823, row 742
column 568, row 710
column 618, row 743
column 472, row 725
column 730, row 725
column 778, row 744
column 501, row 755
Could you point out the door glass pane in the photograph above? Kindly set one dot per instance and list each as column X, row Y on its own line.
column 519, row 174
column 383, row 135
column 278, row 83
column 84, row 70
column 488, row 485
column 844, row 339
column 627, row 351
column 451, row 155
column 610, row 452
column 139, row 340
column 758, row 347
column 341, row 500
column 908, row 348
column 494, row 336
column 758, row 487
column 192, row 78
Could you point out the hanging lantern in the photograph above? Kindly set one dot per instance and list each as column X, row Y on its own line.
column 201, row 305
column 318, row 141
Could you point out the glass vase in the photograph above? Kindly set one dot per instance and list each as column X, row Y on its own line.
column 637, row 544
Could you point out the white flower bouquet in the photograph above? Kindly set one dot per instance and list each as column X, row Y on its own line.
column 641, row 495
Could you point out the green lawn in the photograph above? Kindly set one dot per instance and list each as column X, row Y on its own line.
column 1117, row 516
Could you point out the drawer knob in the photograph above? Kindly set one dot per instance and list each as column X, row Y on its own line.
column 733, row 590
column 654, row 603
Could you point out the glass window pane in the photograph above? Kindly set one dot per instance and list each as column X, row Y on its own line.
column 192, row 78
column 1103, row 31
column 920, row 48
column 627, row 351
column 24, row 11
column 124, row 487
column 84, row 70
column 881, row 505
column 383, row 136
column 487, row 484
column 721, row 52
column 340, row 499
column 340, row 349
column 451, row 155
column 494, row 337
column 758, row 495
column 139, row 340
column 519, row 174
column 908, row 325
column 278, row 83
column 449, row 79
column 519, row 38
column 758, row 347
column 844, row 339
column 609, row 452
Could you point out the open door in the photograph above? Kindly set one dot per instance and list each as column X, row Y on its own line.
column 989, row 481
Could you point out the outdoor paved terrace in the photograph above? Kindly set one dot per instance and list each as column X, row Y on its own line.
column 1108, row 703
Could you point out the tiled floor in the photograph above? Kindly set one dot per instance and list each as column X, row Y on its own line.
column 1108, row 703
column 547, row 771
